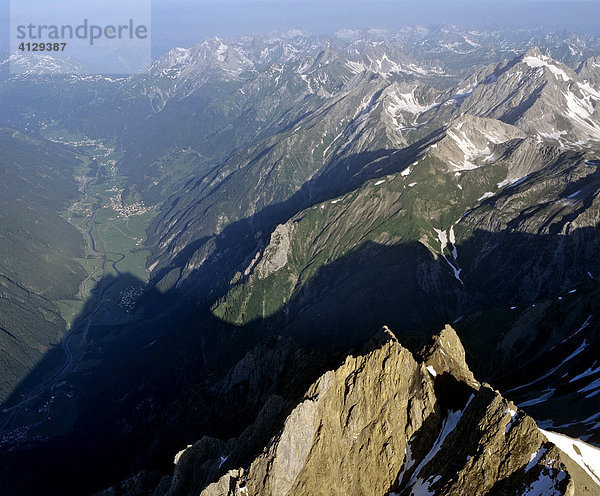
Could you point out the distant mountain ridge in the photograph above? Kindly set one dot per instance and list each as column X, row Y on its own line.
column 317, row 188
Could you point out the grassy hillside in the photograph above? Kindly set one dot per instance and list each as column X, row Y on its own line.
column 37, row 246
column 37, row 250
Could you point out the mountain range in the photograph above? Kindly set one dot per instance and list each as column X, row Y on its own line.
column 301, row 192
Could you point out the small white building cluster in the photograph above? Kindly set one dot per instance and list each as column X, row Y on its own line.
column 137, row 208
column 129, row 296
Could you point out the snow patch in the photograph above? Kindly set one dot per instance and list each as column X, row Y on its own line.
column 555, row 135
column 513, row 414
column 580, row 111
column 535, row 458
column 511, row 182
column 488, row 194
column 585, row 324
column 545, row 62
column 470, row 151
column 552, row 371
column 545, row 485
column 593, row 386
column 587, row 373
column 540, row 399
column 586, row 456
column 449, row 424
column 442, row 238
column 404, row 102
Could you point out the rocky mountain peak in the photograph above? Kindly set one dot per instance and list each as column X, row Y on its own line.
column 381, row 338
column 412, row 426
column 589, row 70
column 533, row 52
column 446, row 355
column 534, row 59
column 471, row 142
column 543, row 97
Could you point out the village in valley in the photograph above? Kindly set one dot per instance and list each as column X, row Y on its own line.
column 114, row 226
column 122, row 209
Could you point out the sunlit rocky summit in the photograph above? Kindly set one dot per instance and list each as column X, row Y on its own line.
column 387, row 422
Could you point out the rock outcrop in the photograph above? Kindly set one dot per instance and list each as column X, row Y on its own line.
column 385, row 423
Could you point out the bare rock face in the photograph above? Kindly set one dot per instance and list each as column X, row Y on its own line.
column 275, row 255
column 589, row 70
column 358, row 440
column 226, row 485
column 384, row 423
column 447, row 355
column 471, row 142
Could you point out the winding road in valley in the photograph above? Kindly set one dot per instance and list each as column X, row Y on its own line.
column 12, row 412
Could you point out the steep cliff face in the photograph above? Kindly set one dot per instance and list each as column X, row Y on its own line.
column 387, row 423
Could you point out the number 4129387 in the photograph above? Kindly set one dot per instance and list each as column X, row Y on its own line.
column 42, row 47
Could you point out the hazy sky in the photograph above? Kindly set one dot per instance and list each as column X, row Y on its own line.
column 185, row 22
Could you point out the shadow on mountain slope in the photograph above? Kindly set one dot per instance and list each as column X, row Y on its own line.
column 222, row 252
column 158, row 374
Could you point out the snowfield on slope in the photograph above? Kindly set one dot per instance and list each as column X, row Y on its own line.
column 585, row 455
